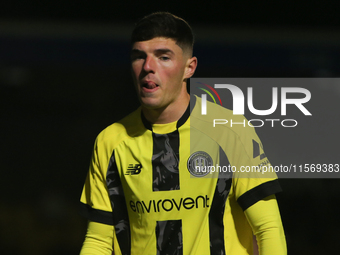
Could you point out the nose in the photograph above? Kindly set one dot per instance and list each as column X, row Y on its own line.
column 149, row 65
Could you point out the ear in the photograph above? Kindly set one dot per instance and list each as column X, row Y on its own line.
column 190, row 67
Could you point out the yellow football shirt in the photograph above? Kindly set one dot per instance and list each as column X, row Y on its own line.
column 155, row 184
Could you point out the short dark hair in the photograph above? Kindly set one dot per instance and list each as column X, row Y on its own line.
column 164, row 24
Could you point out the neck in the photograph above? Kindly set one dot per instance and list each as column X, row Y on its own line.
column 169, row 113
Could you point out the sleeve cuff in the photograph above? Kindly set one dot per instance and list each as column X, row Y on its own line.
column 260, row 192
column 96, row 215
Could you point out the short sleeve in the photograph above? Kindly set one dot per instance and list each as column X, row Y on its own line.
column 254, row 181
column 95, row 200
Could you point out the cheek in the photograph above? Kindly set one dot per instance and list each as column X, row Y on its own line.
column 134, row 77
column 175, row 73
column 136, row 69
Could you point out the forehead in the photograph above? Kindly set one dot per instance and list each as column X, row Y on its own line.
column 156, row 44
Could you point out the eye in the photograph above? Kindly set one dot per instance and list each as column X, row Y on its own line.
column 136, row 57
column 164, row 58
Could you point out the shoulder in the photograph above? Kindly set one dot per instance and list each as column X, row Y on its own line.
column 129, row 126
column 232, row 132
column 220, row 120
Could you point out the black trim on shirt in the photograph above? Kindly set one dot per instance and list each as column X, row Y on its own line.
column 184, row 117
column 260, row 192
column 96, row 215
column 146, row 123
column 192, row 102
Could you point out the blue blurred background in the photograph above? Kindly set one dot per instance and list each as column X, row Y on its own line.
column 65, row 75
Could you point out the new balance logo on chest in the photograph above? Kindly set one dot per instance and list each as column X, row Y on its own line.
column 133, row 169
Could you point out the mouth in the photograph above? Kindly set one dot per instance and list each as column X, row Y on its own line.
column 149, row 86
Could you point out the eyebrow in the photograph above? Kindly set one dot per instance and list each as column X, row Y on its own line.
column 164, row 51
column 136, row 51
column 156, row 51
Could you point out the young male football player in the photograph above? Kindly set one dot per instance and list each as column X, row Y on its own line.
column 142, row 194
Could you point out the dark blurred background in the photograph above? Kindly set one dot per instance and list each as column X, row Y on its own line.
column 64, row 76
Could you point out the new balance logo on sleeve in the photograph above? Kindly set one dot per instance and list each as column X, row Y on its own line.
column 134, row 169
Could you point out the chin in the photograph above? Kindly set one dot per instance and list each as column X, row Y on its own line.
column 151, row 104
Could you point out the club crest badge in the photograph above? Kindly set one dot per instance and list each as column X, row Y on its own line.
column 199, row 164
